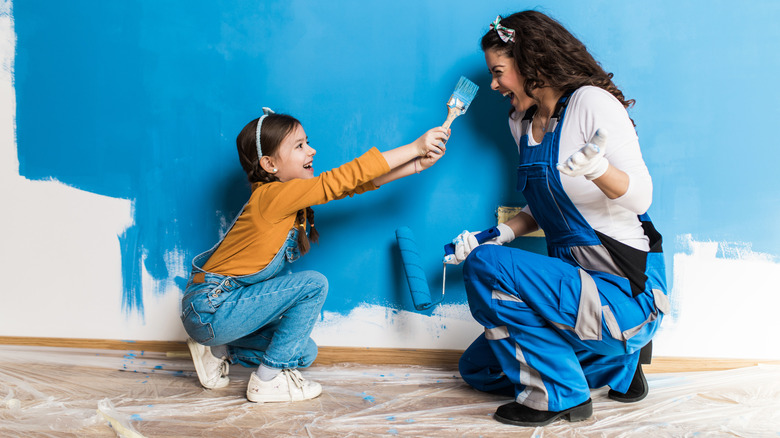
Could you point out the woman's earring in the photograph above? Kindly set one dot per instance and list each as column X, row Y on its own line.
column 275, row 170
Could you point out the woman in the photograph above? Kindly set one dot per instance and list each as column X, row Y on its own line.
column 558, row 325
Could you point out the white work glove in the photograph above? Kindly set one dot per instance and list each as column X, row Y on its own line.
column 467, row 241
column 589, row 160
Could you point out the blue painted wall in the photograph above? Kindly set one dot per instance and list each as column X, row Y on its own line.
column 142, row 100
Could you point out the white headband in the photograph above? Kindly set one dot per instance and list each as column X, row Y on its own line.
column 266, row 113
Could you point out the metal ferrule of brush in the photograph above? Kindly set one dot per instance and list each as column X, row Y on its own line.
column 460, row 100
column 458, row 104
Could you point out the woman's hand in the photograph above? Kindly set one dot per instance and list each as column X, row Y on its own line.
column 432, row 142
column 589, row 160
column 467, row 241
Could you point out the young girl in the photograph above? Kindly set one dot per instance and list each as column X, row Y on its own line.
column 238, row 307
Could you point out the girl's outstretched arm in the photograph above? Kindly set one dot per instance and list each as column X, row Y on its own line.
column 414, row 157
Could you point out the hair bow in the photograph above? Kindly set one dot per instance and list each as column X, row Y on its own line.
column 506, row 34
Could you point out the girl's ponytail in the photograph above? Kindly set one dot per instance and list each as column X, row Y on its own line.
column 306, row 215
column 314, row 235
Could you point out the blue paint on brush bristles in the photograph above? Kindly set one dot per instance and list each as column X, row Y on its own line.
column 464, row 93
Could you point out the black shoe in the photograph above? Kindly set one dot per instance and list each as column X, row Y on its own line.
column 637, row 391
column 519, row 415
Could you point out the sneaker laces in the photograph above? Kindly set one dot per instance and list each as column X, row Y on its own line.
column 295, row 377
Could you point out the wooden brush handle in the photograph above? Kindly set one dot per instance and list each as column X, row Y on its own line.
column 451, row 114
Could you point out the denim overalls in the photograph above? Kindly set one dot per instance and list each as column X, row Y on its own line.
column 263, row 317
column 557, row 326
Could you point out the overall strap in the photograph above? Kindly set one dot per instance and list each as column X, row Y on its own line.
column 528, row 117
column 557, row 115
column 560, row 107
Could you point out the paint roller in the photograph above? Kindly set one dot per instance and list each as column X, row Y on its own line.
column 415, row 275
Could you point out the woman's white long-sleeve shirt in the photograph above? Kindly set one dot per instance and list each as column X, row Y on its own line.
column 591, row 108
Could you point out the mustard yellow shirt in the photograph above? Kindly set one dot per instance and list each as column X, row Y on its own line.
column 262, row 227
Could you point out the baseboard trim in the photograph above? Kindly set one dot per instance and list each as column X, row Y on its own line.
column 99, row 344
column 375, row 356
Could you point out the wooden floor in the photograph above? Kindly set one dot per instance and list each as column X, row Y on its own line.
column 58, row 392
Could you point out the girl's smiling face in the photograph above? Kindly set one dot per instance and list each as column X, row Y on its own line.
column 294, row 158
column 507, row 80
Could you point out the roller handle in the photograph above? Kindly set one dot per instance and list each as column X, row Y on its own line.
column 490, row 233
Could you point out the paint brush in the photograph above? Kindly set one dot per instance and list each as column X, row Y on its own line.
column 460, row 100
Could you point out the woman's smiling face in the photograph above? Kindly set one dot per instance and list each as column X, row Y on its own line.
column 507, row 80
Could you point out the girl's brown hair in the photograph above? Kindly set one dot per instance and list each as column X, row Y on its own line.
column 548, row 55
column 275, row 128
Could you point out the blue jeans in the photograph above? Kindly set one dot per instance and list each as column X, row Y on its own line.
column 263, row 318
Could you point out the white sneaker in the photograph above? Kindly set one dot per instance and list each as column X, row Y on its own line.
column 212, row 371
column 288, row 386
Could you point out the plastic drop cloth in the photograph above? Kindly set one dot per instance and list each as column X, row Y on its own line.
column 104, row 393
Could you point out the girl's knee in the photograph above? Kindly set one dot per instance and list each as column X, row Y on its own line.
column 321, row 280
column 317, row 282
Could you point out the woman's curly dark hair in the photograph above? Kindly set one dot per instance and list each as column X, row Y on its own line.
column 275, row 128
column 548, row 55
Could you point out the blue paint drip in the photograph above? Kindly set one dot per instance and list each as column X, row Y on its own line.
column 367, row 397
column 180, row 282
column 136, row 417
column 132, row 292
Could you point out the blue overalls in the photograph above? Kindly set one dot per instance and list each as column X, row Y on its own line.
column 558, row 325
column 263, row 317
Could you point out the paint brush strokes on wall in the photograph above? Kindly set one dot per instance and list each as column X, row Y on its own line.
column 119, row 163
